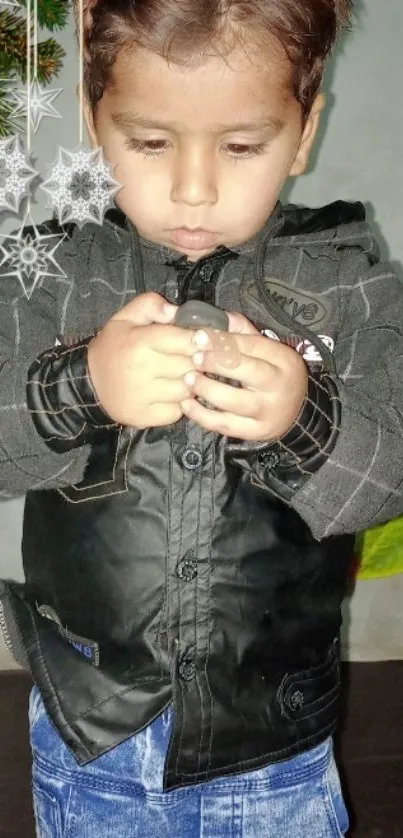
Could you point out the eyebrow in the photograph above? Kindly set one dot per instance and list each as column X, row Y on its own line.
column 127, row 120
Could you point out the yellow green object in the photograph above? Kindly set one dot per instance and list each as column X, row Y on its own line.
column 380, row 551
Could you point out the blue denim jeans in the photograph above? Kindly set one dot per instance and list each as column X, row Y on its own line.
column 119, row 795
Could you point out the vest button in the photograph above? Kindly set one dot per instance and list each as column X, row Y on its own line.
column 187, row 670
column 192, row 458
column 187, row 570
column 269, row 459
column 296, row 700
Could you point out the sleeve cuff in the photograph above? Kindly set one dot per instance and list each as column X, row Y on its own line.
column 62, row 401
column 298, row 454
column 314, row 433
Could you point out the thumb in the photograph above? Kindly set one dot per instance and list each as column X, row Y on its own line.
column 240, row 325
column 147, row 309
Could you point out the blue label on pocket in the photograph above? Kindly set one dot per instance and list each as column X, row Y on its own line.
column 88, row 648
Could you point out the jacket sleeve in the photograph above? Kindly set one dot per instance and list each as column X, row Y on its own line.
column 285, row 464
column 360, row 482
column 27, row 328
column 62, row 401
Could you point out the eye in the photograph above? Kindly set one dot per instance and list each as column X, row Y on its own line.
column 150, row 148
column 241, row 150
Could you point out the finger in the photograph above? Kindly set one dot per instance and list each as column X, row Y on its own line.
column 171, row 366
column 171, row 392
column 227, row 398
column 162, row 414
column 172, row 340
column 164, row 339
column 147, row 309
column 252, row 373
column 240, row 324
column 226, row 424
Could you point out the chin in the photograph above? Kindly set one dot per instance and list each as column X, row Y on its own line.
column 195, row 255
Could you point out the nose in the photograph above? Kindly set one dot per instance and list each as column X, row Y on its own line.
column 194, row 178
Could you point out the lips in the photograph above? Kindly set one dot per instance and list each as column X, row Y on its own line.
column 196, row 239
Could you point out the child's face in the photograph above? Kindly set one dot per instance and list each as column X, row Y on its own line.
column 175, row 140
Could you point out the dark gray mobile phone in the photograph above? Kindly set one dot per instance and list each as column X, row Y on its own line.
column 196, row 314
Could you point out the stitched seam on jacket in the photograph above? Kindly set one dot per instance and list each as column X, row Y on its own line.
column 181, row 684
column 257, row 760
column 212, row 518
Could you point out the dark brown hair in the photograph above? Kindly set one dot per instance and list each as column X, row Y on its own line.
column 183, row 31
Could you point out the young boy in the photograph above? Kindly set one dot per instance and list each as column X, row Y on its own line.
column 187, row 538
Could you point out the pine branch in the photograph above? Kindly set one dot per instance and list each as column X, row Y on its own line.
column 13, row 51
column 50, row 58
column 12, row 37
column 8, row 124
column 52, row 14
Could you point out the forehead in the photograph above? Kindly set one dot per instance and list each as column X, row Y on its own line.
column 216, row 90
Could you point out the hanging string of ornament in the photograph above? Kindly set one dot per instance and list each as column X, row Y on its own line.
column 27, row 255
column 81, row 186
column 34, row 100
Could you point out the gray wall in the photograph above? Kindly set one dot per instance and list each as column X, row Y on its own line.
column 360, row 157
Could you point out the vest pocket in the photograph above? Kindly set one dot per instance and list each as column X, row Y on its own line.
column 106, row 472
column 310, row 691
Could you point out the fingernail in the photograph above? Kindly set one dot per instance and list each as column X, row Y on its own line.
column 198, row 358
column 201, row 338
column 190, row 379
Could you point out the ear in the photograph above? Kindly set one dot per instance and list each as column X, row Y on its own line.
column 88, row 119
column 308, row 137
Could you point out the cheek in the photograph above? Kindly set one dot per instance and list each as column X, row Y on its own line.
column 144, row 192
column 257, row 183
column 276, row 170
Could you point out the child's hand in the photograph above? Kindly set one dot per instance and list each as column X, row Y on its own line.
column 137, row 365
column 274, row 379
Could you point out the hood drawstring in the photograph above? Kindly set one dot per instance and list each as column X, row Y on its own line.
column 278, row 312
column 213, row 263
column 198, row 281
column 137, row 257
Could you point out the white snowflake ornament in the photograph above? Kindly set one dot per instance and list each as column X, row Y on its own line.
column 81, row 186
column 37, row 100
column 30, row 256
column 16, row 174
column 11, row 4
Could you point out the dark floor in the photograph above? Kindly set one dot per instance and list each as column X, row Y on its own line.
column 371, row 748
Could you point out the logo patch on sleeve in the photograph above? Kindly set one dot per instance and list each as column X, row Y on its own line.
column 308, row 350
column 305, row 307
